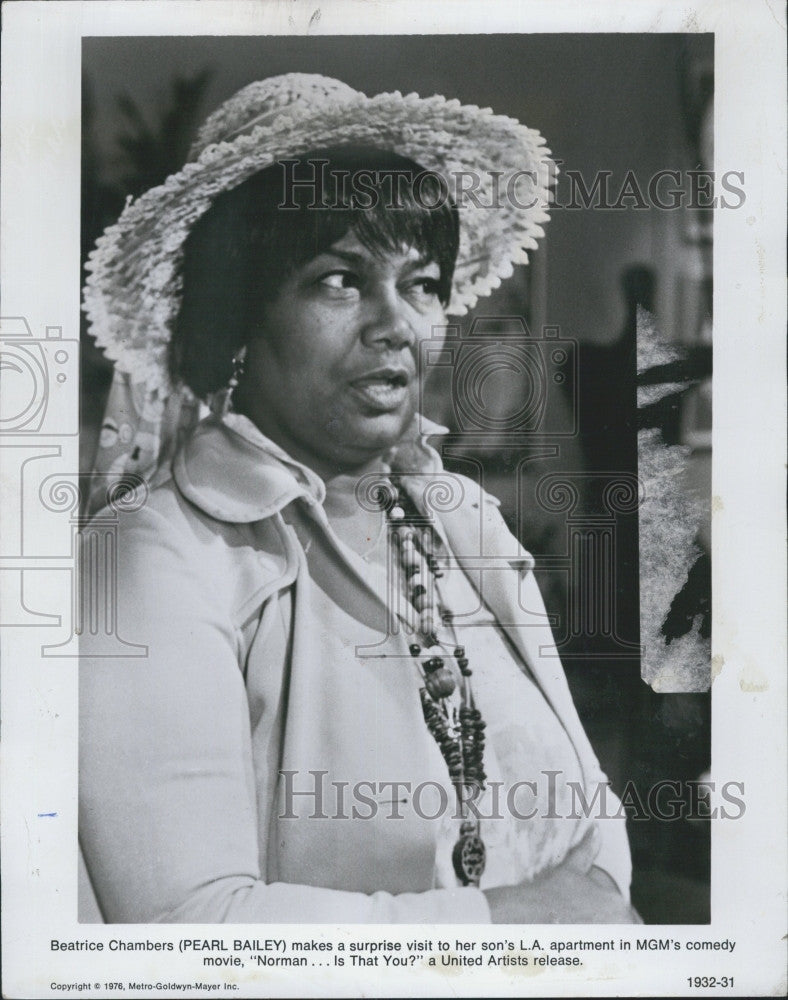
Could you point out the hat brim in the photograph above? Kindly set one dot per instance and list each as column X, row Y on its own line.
column 132, row 292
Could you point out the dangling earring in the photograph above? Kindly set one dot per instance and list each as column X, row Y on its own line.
column 222, row 400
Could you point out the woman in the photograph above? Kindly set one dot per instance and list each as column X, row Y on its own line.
column 351, row 708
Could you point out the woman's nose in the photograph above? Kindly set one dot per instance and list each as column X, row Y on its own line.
column 388, row 323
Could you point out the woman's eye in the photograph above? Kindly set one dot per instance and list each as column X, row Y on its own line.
column 426, row 286
column 340, row 280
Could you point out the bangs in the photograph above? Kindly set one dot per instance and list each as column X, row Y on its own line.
column 389, row 202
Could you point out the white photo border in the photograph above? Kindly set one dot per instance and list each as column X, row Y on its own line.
column 41, row 100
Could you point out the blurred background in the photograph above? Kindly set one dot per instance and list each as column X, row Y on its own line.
column 627, row 106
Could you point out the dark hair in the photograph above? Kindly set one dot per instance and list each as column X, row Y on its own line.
column 241, row 250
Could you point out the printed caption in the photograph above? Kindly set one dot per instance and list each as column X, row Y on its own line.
column 237, row 957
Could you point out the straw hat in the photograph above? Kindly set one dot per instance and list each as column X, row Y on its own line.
column 132, row 293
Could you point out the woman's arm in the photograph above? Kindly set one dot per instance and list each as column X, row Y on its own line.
column 604, row 807
column 530, row 629
column 561, row 896
column 168, row 815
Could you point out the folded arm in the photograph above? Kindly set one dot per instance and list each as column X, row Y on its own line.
column 168, row 822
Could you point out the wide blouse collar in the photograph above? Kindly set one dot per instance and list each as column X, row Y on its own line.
column 228, row 468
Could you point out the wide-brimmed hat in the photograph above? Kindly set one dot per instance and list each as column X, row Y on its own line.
column 132, row 293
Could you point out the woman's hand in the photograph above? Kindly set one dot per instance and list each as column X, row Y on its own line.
column 561, row 896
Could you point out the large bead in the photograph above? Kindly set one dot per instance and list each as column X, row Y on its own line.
column 420, row 602
column 440, row 683
column 469, row 858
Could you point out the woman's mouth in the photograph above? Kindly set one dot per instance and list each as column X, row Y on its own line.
column 382, row 391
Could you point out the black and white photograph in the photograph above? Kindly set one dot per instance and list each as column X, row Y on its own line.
column 376, row 465
column 409, row 437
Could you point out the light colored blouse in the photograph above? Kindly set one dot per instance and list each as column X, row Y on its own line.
column 525, row 740
column 219, row 773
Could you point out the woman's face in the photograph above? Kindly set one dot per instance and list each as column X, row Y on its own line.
column 332, row 377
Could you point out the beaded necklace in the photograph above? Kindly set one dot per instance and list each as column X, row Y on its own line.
column 459, row 732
